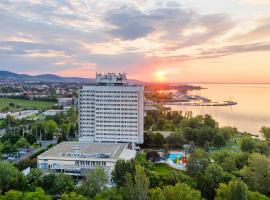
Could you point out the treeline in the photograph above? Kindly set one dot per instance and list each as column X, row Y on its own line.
column 208, row 177
column 34, row 98
column 200, row 131
column 62, row 125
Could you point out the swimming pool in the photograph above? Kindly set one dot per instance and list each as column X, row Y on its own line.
column 177, row 160
column 174, row 155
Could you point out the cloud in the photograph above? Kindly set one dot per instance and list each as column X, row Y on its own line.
column 261, row 31
column 235, row 49
column 169, row 22
column 256, row 1
column 79, row 37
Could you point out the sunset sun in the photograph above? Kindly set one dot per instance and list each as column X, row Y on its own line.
column 160, row 75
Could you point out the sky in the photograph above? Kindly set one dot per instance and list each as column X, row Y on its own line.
column 213, row 41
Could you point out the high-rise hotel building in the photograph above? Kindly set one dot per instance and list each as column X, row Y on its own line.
column 112, row 111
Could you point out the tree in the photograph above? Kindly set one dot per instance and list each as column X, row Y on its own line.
column 37, row 194
column 209, row 121
column 63, row 183
column 257, row 173
column 34, row 178
column 256, row 196
column 226, row 160
column 12, row 195
column 266, row 132
column 153, row 156
column 10, row 137
column 65, row 128
column 180, row 191
column 7, row 147
column 141, row 183
column 72, row 196
column 219, row 140
column 72, row 114
column 56, row 184
column 148, row 122
column 214, row 175
column 156, row 194
column 31, row 138
column 247, row 144
column 197, row 163
column 72, row 131
column 136, row 189
column 64, row 132
column 235, row 190
column 120, row 169
column 22, row 143
column 128, row 190
column 206, row 146
column 227, row 132
column 95, row 181
column 175, row 140
column 10, row 178
column 110, row 194
column 153, row 140
column 50, row 127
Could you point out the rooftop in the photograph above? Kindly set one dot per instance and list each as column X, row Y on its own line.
column 85, row 150
column 111, row 79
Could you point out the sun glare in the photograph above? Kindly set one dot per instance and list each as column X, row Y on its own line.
column 160, row 75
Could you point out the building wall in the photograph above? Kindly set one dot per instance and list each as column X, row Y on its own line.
column 111, row 114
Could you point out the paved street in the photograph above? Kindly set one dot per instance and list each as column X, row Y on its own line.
column 44, row 144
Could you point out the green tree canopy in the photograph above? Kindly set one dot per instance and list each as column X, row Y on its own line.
column 95, row 181
column 234, row 190
column 10, row 178
column 197, row 163
column 136, row 187
column 266, row 132
column 120, row 169
column 247, row 144
column 22, row 143
column 257, row 173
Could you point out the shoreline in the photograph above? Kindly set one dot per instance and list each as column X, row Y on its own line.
column 225, row 103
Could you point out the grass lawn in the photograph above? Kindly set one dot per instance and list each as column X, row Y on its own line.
column 163, row 168
column 141, row 157
column 159, row 167
column 28, row 104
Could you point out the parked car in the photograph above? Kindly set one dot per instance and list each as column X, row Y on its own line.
column 11, row 158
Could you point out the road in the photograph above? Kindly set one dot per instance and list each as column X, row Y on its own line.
column 44, row 144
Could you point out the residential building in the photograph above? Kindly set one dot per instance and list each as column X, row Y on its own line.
column 76, row 158
column 20, row 114
column 112, row 111
column 65, row 102
column 51, row 112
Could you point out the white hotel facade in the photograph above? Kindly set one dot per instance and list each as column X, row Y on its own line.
column 112, row 111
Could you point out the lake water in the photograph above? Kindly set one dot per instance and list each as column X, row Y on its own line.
column 250, row 114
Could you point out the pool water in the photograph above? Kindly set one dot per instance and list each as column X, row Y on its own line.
column 173, row 156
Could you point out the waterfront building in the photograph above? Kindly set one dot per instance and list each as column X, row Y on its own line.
column 76, row 158
column 111, row 111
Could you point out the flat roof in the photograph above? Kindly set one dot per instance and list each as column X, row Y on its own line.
column 85, row 150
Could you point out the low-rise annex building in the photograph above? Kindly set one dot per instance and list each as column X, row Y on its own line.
column 76, row 158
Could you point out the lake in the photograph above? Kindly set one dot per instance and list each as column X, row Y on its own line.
column 249, row 115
